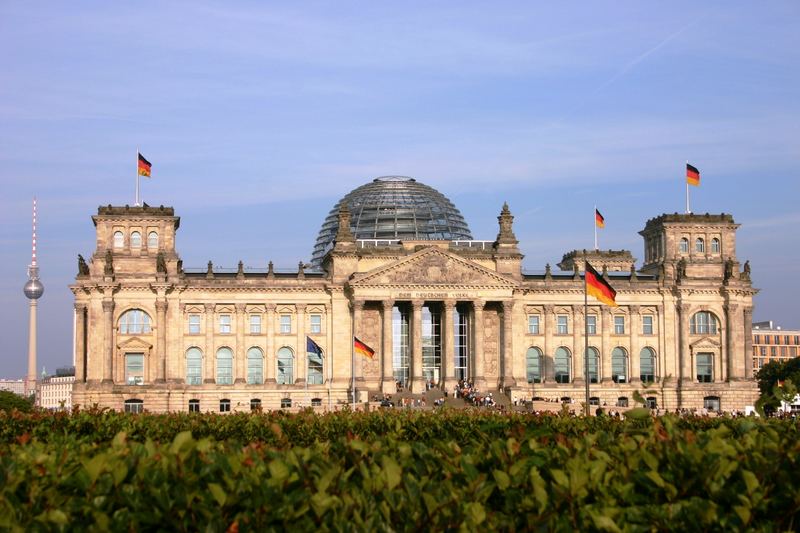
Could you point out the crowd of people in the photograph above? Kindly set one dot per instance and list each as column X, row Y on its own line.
column 468, row 391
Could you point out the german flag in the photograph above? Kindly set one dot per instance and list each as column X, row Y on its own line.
column 363, row 349
column 692, row 175
column 598, row 287
column 598, row 219
column 144, row 166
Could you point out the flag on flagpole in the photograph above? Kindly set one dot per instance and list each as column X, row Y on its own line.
column 599, row 287
column 363, row 349
column 313, row 347
column 599, row 221
column 692, row 175
column 144, row 166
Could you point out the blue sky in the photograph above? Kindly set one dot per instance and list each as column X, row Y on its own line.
column 259, row 116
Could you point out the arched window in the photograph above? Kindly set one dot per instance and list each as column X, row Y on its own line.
column 562, row 365
column 119, row 239
column 136, row 240
column 703, row 323
column 224, row 366
column 594, row 362
column 134, row 406
column 699, row 246
column 134, row 322
column 194, row 366
column 255, row 366
column 285, row 366
column 619, row 365
column 714, row 246
column 314, row 368
column 152, row 240
column 684, row 246
column 647, row 365
column 533, row 361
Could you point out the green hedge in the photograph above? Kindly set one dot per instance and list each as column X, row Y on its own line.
column 396, row 471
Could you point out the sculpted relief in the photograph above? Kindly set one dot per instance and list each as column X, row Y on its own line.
column 434, row 268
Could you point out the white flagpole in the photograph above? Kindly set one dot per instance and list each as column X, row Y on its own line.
column 688, row 211
column 594, row 220
column 137, row 177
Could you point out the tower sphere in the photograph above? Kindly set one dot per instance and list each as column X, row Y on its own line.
column 33, row 289
column 394, row 207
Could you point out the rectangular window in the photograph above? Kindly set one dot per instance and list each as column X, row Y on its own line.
column 562, row 324
column 704, row 368
column 773, row 351
column 647, row 325
column 783, row 351
column 793, row 351
column 134, row 369
column 763, row 351
column 797, row 339
column 316, row 323
column 194, row 406
column 134, row 406
column 194, row 324
column 757, row 339
column 591, row 324
column 255, row 324
column 255, row 404
column 766, row 339
column 619, row 325
column 224, row 406
column 533, row 324
column 286, row 323
column 224, row 323
column 786, row 339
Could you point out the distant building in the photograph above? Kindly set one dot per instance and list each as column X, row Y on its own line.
column 17, row 386
column 771, row 343
column 55, row 392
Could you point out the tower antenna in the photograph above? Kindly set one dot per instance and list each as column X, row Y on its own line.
column 33, row 290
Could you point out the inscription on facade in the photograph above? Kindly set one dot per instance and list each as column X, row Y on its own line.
column 431, row 295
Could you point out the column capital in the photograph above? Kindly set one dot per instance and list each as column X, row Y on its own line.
column 108, row 306
column 209, row 308
column 508, row 305
column 388, row 305
column 449, row 304
column 300, row 308
column 417, row 304
column 161, row 306
column 183, row 308
column 270, row 307
column 240, row 307
column 577, row 309
column 478, row 304
column 549, row 308
column 635, row 309
column 748, row 310
column 357, row 305
column 80, row 306
column 683, row 308
column 731, row 307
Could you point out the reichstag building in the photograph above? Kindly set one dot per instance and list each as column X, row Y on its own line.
column 396, row 266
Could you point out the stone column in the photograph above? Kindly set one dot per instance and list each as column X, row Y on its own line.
column 417, row 383
column 448, row 373
column 80, row 343
column 388, row 385
column 477, row 374
column 108, row 341
column 684, row 356
column 161, row 342
column 549, row 344
column 240, row 354
column 358, row 364
column 745, row 364
column 209, row 355
column 579, row 344
column 507, row 378
column 607, row 320
column 634, row 362
column 302, row 355
column 730, row 370
column 269, row 357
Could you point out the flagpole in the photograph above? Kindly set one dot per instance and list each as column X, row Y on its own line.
column 688, row 211
column 595, row 228
column 586, row 336
column 353, row 357
column 137, row 177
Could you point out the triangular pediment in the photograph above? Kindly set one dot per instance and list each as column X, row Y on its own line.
column 135, row 343
column 433, row 267
column 708, row 343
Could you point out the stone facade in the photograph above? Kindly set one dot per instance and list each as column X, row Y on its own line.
column 151, row 334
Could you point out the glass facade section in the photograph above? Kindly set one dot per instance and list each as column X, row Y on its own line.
column 431, row 343
column 394, row 207
column 461, row 338
column 400, row 345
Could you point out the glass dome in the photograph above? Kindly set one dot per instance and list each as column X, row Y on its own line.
column 394, row 207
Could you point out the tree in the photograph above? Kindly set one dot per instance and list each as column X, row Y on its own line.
column 10, row 401
column 768, row 378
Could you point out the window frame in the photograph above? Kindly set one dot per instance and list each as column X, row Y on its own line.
column 699, row 327
column 193, row 322
column 700, row 245
column 220, row 376
column 136, row 240
column 135, row 321
column 715, row 246
column 683, row 245
column 285, row 324
column 619, row 354
column 315, row 323
column 255, row 366
column 591, row 324
column 619, row 324
column 706, row 377
column 133, row 406
column 647, row 323
column 225, row 405
column 562, row 328
column 194, row 405
column 534, row 324
column 150, row 244
column 533, row 373
column 559, row 375
column 255, row 323
column 194, row 378
column 128, row 371
column 284, row 354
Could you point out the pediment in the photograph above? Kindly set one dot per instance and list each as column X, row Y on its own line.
column 433, row 267
column 708, row 343
column 135, row 343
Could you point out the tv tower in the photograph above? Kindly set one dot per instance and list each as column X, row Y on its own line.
column 33, row 291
